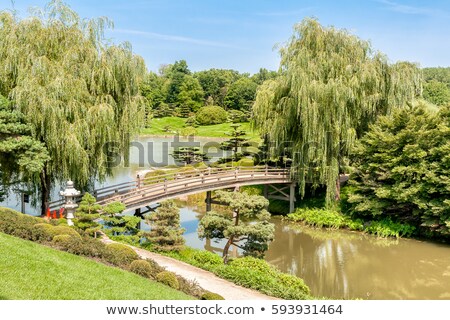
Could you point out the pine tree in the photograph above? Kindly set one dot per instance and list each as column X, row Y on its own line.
column 248, row 223
column 22, row 157
column 165, row 232
column 236, row 142
column 189, row 155
column 87, row 212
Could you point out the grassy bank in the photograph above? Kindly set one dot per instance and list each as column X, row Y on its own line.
column 36, row 272
column 173, row 125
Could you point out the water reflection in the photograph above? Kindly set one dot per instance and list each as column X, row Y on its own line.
column 343, row 264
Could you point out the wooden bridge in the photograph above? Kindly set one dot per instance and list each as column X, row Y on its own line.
column 143, row 192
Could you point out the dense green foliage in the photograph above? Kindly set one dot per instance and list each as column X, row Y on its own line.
column 119, row 226
column 142, row 268
column 120, row 254
column 241, row 95
column 403, row 169
column 165, row 231
column 234, row 226
column 211, row 115
column 189, row 155
column 87, row 212
column 33, row 272
column 248, row 272
column 237, row 140
column 176, row 91
column 168, row 278
column 76, row 92
column 332, row 86
column 22, row 157
column 436, row 92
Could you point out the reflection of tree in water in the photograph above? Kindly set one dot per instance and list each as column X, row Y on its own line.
column 341, row 264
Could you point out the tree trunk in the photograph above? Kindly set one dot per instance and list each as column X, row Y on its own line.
column 338, row 189
column 230, row 241
column 45, row 189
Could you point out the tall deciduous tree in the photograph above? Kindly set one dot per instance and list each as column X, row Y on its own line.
column 76, row 92
column 191, row 95
column 252, row 237
column 332, row 85
column 241, row 95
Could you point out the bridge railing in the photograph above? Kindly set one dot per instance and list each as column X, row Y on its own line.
column 173, row 180
column 169, row 183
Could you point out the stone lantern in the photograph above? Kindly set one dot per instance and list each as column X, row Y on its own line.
column 70, row 194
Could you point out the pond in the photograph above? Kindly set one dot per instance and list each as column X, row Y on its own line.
column 334, row 264
column 343, row 264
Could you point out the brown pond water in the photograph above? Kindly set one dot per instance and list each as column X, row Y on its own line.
column 343, row 264
column 349, row 265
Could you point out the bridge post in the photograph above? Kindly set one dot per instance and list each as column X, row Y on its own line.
column 291, row 197
column 266, row 191
column 208, row 201
column 165, row 185
column 138, row 181
column 266, row 169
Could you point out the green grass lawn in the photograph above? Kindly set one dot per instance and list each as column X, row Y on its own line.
column 158, row 125
column 29, row 271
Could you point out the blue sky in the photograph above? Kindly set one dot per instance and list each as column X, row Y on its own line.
column 241, row 35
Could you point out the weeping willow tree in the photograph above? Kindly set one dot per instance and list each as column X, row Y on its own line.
column 332, row 85
column 77, row 92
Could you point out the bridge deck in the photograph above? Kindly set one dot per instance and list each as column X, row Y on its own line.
column 145, row 191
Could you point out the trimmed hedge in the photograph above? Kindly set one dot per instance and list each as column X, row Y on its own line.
column 143, row 268
column 120, row 254
column 169, row 279
column 17, row 224
column 211, row 296
column 258, row 274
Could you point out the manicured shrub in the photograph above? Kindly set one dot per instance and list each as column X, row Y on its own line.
column 120, row 254
column 292, row 282
column 61, row 240
column 60, row 230
column 17, row 224
column 211, row 296
column 43, row 232
column 169, row 279
column 254, row 264
column 206, row 259
column 211, row 115
column 260, row 275
column 246, row 162
column 142, row 268
column 85, row 246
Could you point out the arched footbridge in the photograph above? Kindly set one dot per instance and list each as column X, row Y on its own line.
column 143, row 192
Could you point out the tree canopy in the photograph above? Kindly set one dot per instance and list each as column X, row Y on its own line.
column 235, row 226
column 331, row 86
column 76, row 92
column 403, row 168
